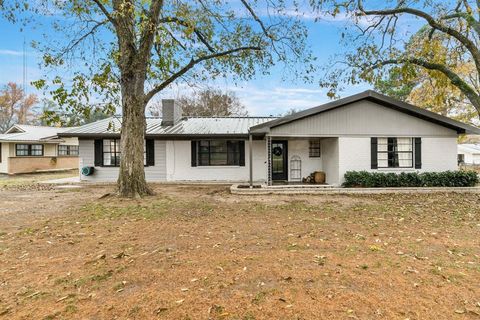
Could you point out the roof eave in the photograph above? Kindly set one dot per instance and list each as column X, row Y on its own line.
column 459, row 127
column 159, row 135
column 87, row 135
column 31, row 141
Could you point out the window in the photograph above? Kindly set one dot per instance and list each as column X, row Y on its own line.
column 461, row 159
column 218, row 153
column 395, row 153
column 111, row 153
column 22, row 150
column 314, row 149
column 64, row 150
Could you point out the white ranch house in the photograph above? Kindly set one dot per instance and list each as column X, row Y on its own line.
column 26, row 148
column 469, row 154
column 367, row 131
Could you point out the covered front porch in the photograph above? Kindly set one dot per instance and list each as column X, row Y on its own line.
column 292, row 160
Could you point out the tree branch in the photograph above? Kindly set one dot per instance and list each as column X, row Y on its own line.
column 470, row 45
column 148, row 34
column 105, row 12
column 464, row 15
column 190, row 65
column 262, row 26
column 455, row 79
column 83, row 37
column 197, row 32
column 256, row 18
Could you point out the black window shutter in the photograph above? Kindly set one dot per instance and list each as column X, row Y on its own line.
column 0, row 152
column 241, row 145
column 194, row 153
column 150, row 150
column 418, row 153
column 98, row 153
column 374, row 152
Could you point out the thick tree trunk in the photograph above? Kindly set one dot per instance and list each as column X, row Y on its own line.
column 131, row 178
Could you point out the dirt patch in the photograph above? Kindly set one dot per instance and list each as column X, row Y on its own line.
column 197, row 252
column 30, row 181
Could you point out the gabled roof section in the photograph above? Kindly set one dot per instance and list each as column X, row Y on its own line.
column 187, row 126
column 375, row 97
column 30, row 133
column 16, row 128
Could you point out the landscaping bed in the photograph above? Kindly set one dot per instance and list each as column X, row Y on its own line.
column 452, row 179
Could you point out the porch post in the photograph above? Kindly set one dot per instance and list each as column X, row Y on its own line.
column 250, row 156
column 268, row 140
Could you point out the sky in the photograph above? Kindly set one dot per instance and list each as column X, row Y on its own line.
column 262, row 96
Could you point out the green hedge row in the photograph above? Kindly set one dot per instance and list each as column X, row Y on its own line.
column 410, row 179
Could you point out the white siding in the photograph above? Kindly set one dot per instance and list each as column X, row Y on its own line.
column 476, row 159
column 438, row 154
column 470, row 158
column 173, row 163
column 70, row 141
column 109, row 174
column 363, row 118
column 50, row 150
column 5, row 155
column 179, row 165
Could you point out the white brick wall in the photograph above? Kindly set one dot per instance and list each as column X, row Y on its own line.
column 110, row 174
column 330, row 160
column 438, row 154
column 179, row 165
column 300, row 148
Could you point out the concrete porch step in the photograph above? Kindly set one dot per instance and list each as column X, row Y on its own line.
column 300, row 186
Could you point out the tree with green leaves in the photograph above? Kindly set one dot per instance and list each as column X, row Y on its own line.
column 125, row 52
column 446, row 43
column 49, row 113
column 394, row 85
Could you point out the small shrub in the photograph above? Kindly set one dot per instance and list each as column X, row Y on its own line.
column 365, row 179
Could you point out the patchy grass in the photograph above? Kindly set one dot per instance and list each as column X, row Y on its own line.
column 197, row 252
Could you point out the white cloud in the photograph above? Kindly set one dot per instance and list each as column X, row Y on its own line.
column 15, row 53
column 11, row 52
column 265, row 99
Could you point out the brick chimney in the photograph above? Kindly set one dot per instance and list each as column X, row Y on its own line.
column 171, row 112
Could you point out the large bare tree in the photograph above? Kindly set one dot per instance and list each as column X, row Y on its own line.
column 125, row 52
column 208, row 102
column 446, row 41
column 15, row 106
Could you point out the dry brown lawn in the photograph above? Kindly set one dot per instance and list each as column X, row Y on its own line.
column 197, row 252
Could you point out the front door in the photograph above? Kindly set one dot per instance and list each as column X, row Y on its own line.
column 279, row 160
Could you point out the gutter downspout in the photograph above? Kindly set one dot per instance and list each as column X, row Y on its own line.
column 250, row 156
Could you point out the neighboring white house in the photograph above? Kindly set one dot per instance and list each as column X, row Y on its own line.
column 26, row 148
column 469, row 154
column 367, row 131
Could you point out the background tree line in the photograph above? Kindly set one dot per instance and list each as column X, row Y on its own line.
column 16, row 107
